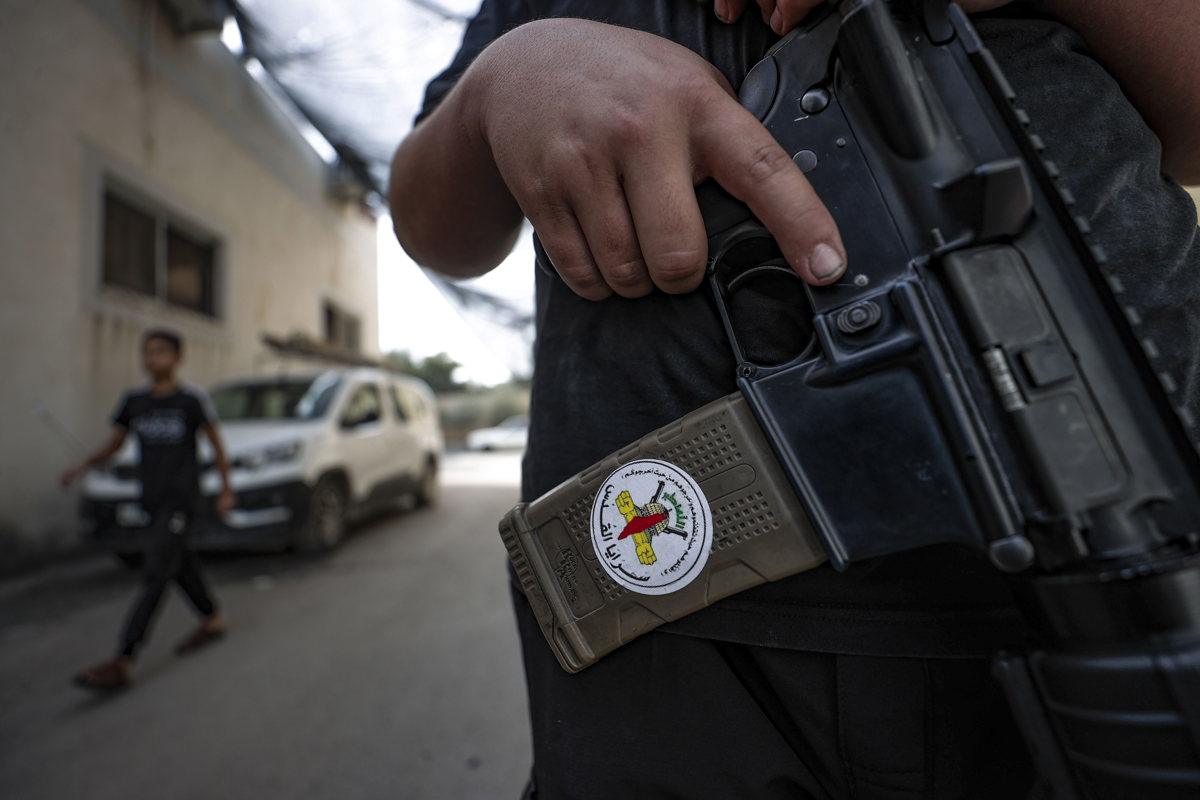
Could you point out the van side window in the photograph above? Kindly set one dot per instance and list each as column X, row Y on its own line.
column 365, row 406
column 397, row 405
column 415, row 404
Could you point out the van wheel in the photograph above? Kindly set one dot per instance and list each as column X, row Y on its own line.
column 427, row 491
column 325, row 526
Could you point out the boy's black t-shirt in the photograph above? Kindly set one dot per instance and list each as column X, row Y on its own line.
column 608, row 372
column 166, row 429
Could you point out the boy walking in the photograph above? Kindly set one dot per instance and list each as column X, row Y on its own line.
column 165, row 417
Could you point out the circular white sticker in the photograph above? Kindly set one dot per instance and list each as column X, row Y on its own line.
column 651, row 527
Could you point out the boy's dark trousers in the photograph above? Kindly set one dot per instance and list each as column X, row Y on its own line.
column 168, row 558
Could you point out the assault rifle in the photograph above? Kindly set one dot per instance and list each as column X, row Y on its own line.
column 973, row 379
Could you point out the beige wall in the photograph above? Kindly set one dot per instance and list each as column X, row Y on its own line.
column 95, row 90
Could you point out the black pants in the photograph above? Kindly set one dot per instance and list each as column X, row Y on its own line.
column 168, row 558
column 672, row 717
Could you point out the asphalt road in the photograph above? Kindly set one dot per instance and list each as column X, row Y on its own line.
column 387, row 669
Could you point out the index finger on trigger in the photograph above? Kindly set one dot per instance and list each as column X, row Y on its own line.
column 754, row 168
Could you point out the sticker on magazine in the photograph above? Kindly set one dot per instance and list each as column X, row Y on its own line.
column 651, row 527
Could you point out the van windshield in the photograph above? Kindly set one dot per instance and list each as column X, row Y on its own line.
column 285, row 398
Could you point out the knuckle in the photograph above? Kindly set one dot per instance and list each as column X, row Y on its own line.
column 572, row 162
column 626, row 276
column 557, row 162
column 585, row 282
column 542, row 200
column 767, row 163
column 627, row 124
column 704, row 96
column 679, row 270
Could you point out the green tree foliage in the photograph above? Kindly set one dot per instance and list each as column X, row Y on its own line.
column 437, row 371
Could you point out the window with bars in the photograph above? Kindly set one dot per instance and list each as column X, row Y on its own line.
column 147, row 251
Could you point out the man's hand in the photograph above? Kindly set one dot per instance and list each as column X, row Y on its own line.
column 72, row 474
column 226, row 501
column 107, row 451
column 783, row 15
column 599, row 134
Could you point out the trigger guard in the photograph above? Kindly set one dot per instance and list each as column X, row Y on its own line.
column 725, row 290
column 755, row 272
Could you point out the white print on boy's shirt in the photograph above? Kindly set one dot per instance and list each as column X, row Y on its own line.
column 161, row 426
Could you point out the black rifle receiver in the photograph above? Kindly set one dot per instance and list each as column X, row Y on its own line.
column 975, row 379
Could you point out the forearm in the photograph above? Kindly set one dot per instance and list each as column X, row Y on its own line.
column 220, row 461
column 101, row 456
column 97, row 458
column 451, row 210
column 1149, row 49
column 222, row 465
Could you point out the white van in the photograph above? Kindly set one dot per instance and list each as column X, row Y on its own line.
column 307, row 453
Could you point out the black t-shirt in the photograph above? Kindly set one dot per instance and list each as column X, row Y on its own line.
column 608, row 372
column 166, row 429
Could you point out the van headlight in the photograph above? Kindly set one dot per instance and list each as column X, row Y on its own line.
column 275, row 454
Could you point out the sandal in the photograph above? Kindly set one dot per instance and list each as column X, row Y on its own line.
column 199, row 637
column 110, row 675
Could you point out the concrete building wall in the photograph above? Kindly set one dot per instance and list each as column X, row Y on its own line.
column 97, row 93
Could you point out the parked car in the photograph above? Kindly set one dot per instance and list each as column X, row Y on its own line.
column 511, row 434
column 307, row 453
